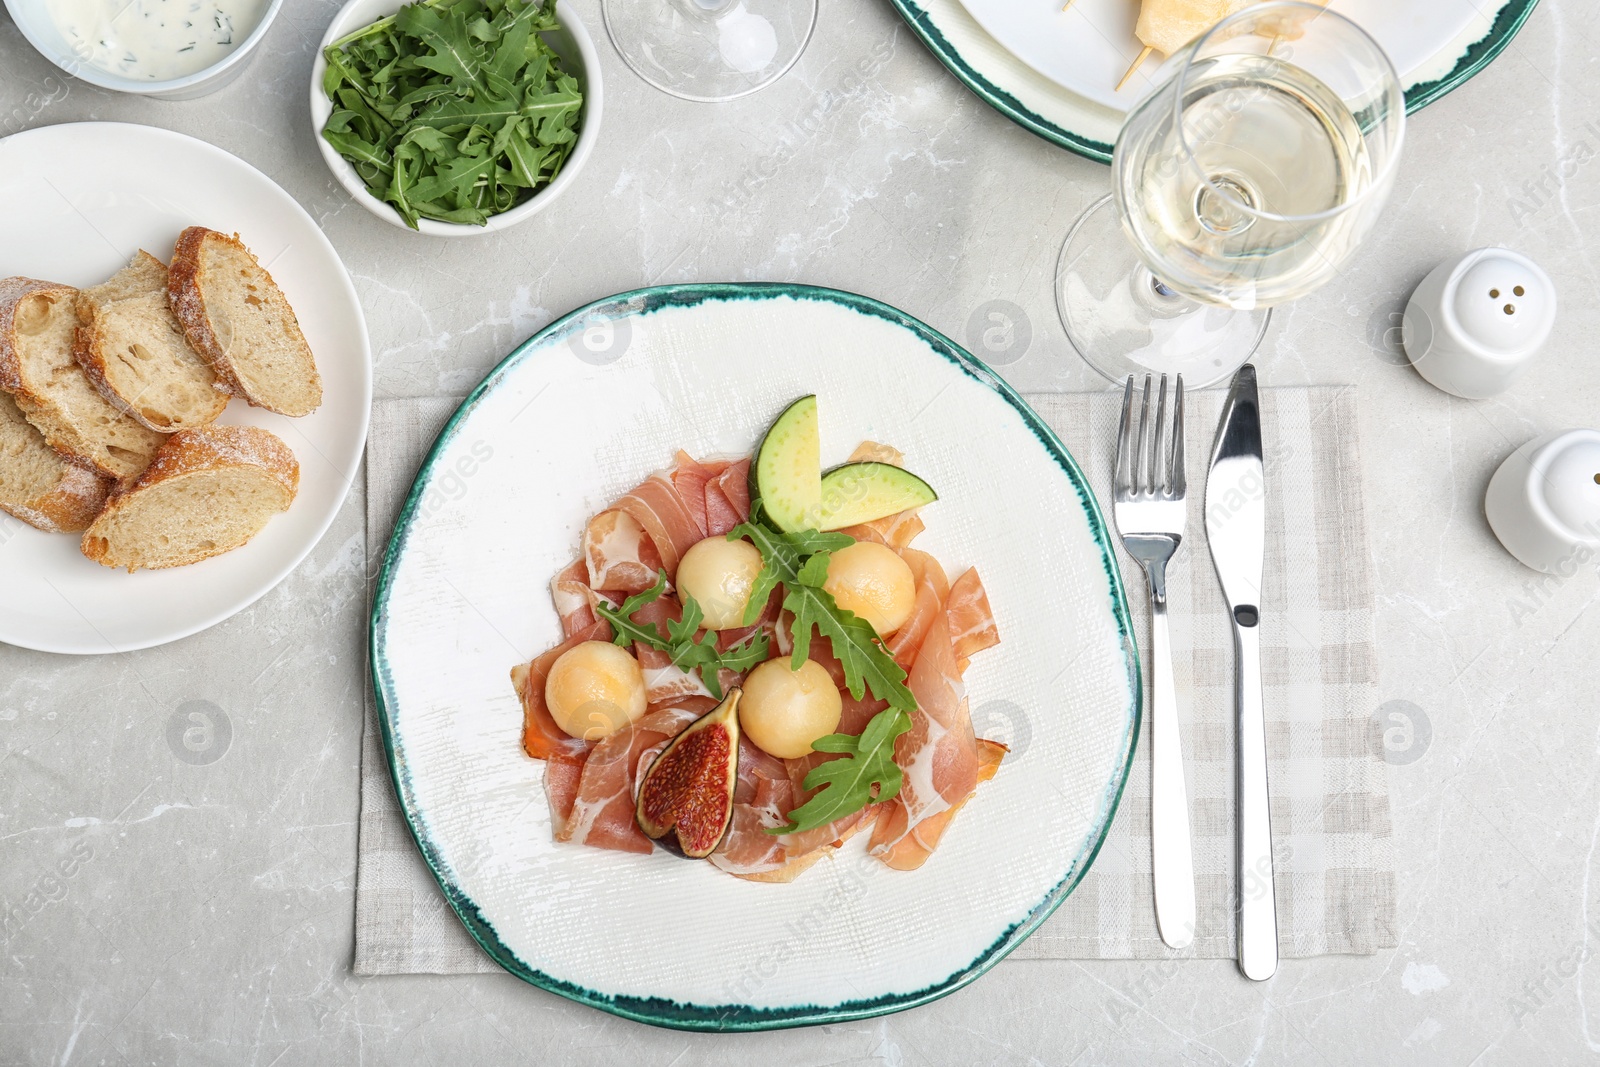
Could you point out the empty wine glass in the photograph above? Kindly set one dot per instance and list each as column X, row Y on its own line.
column 710, row 50
column 1249, row 178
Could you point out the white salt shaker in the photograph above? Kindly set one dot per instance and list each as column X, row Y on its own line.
column 1544, row 501
column 1475, row 321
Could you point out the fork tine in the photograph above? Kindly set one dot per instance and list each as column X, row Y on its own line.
column 1158, row 455
column 1141, row 467
column 1124, row 464
column 1179, row 483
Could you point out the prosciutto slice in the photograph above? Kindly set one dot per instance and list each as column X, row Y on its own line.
column 660, row 510
column 761, row 801
column 933, row 589
column 689, row 478
column 618, row 555
column 938, row 755
column 972, row 627
column 912, row 850
column 602, row 810
column 574, row 598
column 728, row 499
column 896, row 531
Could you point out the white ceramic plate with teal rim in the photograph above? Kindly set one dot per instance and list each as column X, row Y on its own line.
column 1055, row 72
column 580, row 414
column 83, row 198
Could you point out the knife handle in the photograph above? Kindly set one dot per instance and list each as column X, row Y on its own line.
column 1258, row 909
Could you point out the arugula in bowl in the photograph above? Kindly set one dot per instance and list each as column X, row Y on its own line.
column 453, row 110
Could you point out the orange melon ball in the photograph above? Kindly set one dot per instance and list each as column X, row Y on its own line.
column 718, row 574
column 595, row 689
column 874, row 582
column 785, row 711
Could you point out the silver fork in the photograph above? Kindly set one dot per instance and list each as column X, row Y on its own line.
column 1149, row 512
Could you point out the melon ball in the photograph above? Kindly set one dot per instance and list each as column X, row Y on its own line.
column 783, row 711
column 595, row 689
column 718, row 574
column 874, row 582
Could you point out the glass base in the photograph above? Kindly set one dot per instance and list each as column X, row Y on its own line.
column 710, row 50
column 1123, row 320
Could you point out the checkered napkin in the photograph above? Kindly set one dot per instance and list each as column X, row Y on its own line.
column 1330, row 795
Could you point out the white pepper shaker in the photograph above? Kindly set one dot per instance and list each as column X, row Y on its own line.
column 1544, row 501
column 1475, row 321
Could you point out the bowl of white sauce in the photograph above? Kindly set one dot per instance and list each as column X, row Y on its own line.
column 173, row 49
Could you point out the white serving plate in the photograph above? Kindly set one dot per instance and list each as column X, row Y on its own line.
column 85, row 196
column 1055, row 73
column 581, row 413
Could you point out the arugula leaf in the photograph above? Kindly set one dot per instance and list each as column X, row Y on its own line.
column 453, row 109
column 800, row 562
column 700, row 656
column 865, row 772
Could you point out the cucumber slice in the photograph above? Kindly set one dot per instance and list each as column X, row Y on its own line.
column 860, row 492
column 787, row 473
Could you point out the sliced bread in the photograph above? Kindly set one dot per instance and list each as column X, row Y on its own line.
column 235, row 316
column 39, row 485
column 134, row 351
column 37, row 324
column 208, row 491
column 143, row 273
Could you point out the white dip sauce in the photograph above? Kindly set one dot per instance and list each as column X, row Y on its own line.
column 155, row 40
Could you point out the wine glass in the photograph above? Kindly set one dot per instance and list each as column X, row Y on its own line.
column 1247, row 179
column 710, row 50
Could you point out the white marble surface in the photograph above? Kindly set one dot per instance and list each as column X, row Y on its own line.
column 169, row 911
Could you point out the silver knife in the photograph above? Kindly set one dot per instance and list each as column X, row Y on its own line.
column 1236, row 527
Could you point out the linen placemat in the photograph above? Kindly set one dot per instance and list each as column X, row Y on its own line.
column 1330, row 798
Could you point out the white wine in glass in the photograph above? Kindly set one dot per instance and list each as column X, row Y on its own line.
column 1249, row 178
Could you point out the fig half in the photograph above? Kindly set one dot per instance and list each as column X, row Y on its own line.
column 689, row 786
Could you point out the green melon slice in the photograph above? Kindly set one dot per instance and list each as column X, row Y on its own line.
column 860, row 492
column 787, row 473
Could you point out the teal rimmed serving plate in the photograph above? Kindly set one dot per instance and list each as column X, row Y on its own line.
column 1065, row 96
column 578, row 415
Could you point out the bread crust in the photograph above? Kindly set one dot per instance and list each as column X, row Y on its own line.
column 68, row 508
column 206, row 448
column 186, row 293
column 189, row 306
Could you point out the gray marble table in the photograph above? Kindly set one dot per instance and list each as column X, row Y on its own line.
column 162, row 910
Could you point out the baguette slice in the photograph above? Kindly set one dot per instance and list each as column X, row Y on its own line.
column 134, row 351
column 208, row 491
column 39, row 485
column 235, row 316
column 37, row 324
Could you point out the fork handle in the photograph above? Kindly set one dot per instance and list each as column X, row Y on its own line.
column 1258, row 909
column 1171, row 856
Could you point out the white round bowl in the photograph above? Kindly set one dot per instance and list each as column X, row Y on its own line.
column 33, row 19
column 571, row 42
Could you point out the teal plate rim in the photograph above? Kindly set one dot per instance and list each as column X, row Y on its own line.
column 1481, row 53
column 735, row 1018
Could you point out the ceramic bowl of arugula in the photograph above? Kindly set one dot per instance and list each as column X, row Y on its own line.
column 456, row 117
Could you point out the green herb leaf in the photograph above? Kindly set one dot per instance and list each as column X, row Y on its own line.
column 487, row 106
column 690, row 650
column 800, row 562
column 865, row 772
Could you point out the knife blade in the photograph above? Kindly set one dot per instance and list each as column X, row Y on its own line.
column 1236, row 528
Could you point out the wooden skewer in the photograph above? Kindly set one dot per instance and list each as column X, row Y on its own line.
column 1137, row 63
column 1066, row 5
